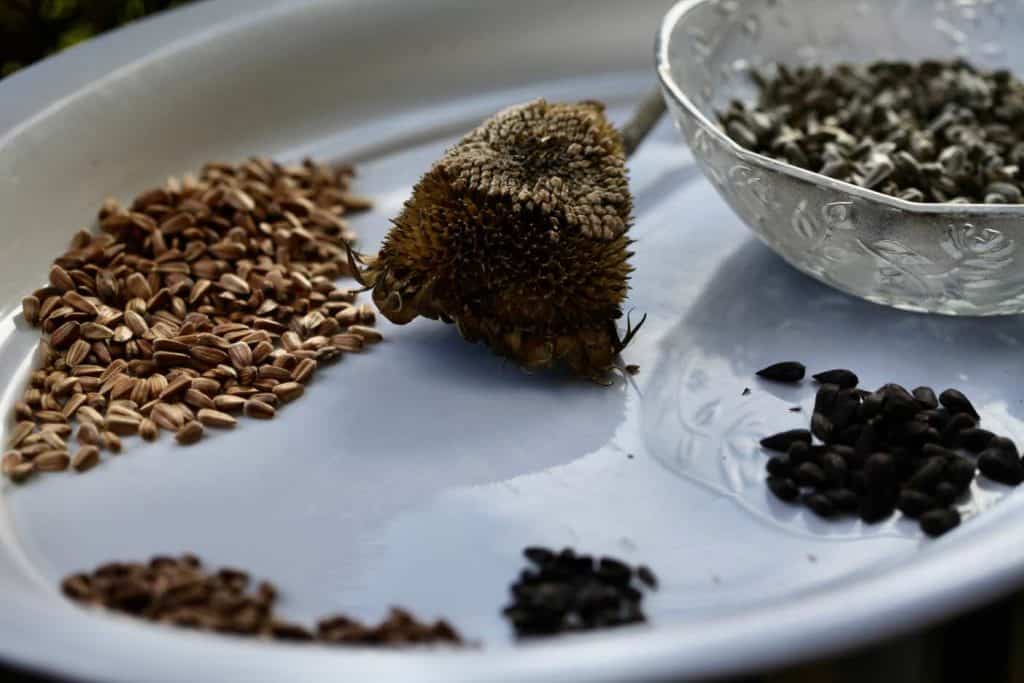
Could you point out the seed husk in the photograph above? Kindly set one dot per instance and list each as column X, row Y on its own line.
column 190, row 433
column 786, row 372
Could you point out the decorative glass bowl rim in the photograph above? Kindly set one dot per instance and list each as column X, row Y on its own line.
column 684, row 10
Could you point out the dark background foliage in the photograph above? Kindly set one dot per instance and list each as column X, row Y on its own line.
column 33, row 29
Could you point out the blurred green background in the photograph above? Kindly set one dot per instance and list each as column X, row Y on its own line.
column 33, row 29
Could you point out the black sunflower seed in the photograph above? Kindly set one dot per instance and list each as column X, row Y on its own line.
column 956, row 402
column 844, row 379
column 789, row 372
column 783, row 440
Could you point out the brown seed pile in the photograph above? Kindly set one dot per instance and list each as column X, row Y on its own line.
column 208, row 297
column 933, row 131
column 178, row 591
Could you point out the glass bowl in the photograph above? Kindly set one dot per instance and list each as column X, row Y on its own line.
column 955, row 259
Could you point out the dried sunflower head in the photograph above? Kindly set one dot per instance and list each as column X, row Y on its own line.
column 518, row 235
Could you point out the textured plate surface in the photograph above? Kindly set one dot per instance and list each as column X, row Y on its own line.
column 414, row 474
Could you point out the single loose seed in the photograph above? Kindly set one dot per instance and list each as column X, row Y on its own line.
column 370, row 335
column 789, row 372
column 240, row 355
column 122, row 425
column 198, row 399
column 190, row 433
column 1001, row 468
column 304, row 370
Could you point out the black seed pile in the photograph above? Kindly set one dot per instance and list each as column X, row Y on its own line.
column 873, row 453
column 934, row 131
column 566, row 592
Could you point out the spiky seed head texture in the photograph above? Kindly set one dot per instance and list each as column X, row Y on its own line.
column 518, row 235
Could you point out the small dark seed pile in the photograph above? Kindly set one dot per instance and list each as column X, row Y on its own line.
column 887, row 450
column 179, row 592
column 566, row 592
column 934, row 131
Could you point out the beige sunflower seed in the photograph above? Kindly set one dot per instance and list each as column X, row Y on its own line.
column 65, row 335
column 140, row 392
column 166, row 417
column 112, row 442
column 291, row 340
column 176, row 387
column 259, row 410
column 198, row 399
column 122, row 425
column 80, row 303
column 52, row 461
column 89, row 414
column 209, row 355
column 304, row 370
column 73, row 404
column 137, row 286
column 20, row 432
column 30, row 309
column 240, row 354
column 229, row 403
column 289, row 391
column 61, row 429
column 49, row 416
column 122, row 386
column 88, row 434
column 136, row 323
column 22, row 410
column 53, row 440
column 190, row 433
column 10, row 460
column 233, row 284
column 349, row 343
column 215, row 418
column 148, row 429
column 22, row 472
column 77, row 353
column 171, row 359
column 274, row 372
column 60, row 279
column 157, row 384
column 207, row 385
column 369, row 335
column 86, row 458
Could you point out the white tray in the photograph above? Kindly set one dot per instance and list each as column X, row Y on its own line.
column 414, row 474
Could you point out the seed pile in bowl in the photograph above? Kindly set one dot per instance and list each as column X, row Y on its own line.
column 887, row 450
column 178, row 591
column 933, row 131
column 566, row 591
column 203, row 299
